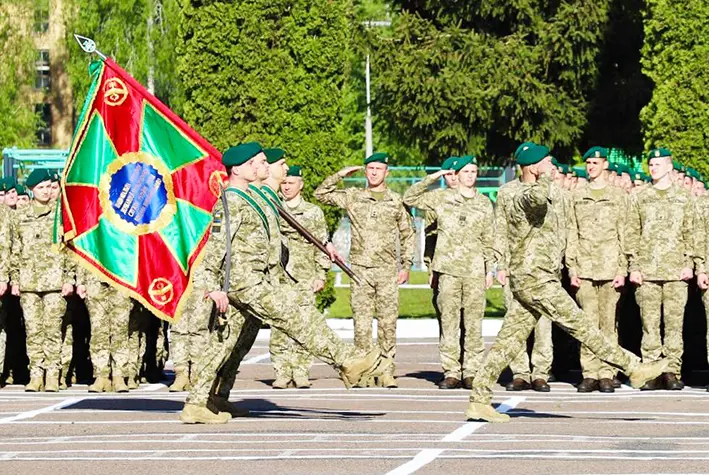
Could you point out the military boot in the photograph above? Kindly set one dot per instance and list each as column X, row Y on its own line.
column 182, row 380
column 193, row 414
column 588, row 385
column 468, row 382
column 518, row 384
column 281, row 382
column 368, row 382
column 119, row 384
column 101, row 384
column 641, row 373
column 540, row 386
column 221, row 404
column 449, row 382
column 370, row 365
column 36, row 384
column 133, row 382
column 387, row 381
column 605, row 385
column 301, row 382
column 51, row 384
column 672, row 382
column 485, row 412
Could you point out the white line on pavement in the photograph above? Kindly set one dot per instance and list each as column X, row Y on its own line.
column 257, row 358
column 30, row 414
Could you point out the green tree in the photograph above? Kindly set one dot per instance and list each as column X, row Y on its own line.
column 272, row 71
column 480, row 77
column 675, row 57
column 18, row 121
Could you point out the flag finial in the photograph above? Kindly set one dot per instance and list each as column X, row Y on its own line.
column 88, row 45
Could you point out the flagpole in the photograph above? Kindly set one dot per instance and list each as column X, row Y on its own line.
column 88, row 45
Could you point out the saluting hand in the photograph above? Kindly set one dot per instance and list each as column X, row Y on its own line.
column 441, row 173
column 349, row 171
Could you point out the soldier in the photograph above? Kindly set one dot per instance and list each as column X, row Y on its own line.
column 252, row 293
column 56, row 187
column 10, row 193
column 308, row 266
column 23, row 198
column 523, row 377
column 597, row 261
column 376, row 214
column 5, row 248
column 108, row 311
column 42, row 278
column 537, row 238
column 662, row 256
column 463, row 261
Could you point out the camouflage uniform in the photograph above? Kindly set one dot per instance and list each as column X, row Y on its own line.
column 189, row 335
column 661, row 244
column 138, row 324
column 543, row 349
column 5, row 248
column 537, row 240
column 40, row 272
column 373, row 255
column 306, row 264
column 463, row 257
column 701, row 225
column 596, row 255
column 252, row 292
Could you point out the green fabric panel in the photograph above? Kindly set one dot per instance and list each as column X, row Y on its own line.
column 112, row 248
column 160, row 138
column 95, row 148
column 185, row 230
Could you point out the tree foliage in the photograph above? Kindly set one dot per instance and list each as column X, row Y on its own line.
column 455, row 77
column 18, row 121
column 272, row 71
column 675, row 57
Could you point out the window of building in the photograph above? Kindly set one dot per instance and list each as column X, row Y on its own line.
column 43, row 76
column 41, row 16
column 44, row 130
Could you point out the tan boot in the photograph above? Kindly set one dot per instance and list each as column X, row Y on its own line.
column 119, row 384
column 280, row 383
column 485, row 412
column 133, row 382
column 35, row 385
column 367, row 366
column 182, row 381
column 51, row 385
column 387, row 381
column 301, row 382
column 641, row 373
column 100, row 385
column 193, row 414
column 221, row 404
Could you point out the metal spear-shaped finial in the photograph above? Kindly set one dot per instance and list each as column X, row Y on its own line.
column 88, row 45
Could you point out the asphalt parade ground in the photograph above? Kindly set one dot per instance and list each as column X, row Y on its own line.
column 328, row 429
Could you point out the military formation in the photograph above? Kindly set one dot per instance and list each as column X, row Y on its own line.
column 604, row 227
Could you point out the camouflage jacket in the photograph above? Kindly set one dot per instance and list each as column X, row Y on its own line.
column 596, row 247
column 536, row 234
column 374, row 224
column 660, row 233
column 34, row 264
column 305, row 262
column 465, row 229
column 503, row 207
column 701, row 227
column 5, row 242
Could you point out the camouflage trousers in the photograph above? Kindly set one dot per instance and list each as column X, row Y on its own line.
column 138, row 324
column 548, row 300
column 705, row 300
column 542, row 350
column 658, row 299
column 44, row 318
column 377, row 294
column 461, row 301
column 67, row 351
column 109, row 313
column 599, row 300
column 190, row 334
column 283, row 308
column 289, row 359
column 3, row 341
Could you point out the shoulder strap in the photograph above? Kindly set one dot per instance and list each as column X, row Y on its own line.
column 268, row 202
column 245, row 196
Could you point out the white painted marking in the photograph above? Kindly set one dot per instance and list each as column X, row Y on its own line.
column 149, row 387
column 427, row 456
column 30, row 414
column 257, row 358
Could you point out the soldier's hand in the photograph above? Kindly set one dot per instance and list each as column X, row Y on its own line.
column 81, row 291
column 15, row 290
column 403, row 277
column 318, row 285
column 441, row 173
column 67, row 289
column 703, row 281
column 636, row 278
column 488, row 280
column 619, row 281
column 349, row 171
column 3, row 288
column 686, row 274
column 334, row 256
column 220, row 298
column 575, row 282
column 502, row 277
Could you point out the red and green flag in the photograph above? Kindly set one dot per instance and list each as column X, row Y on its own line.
column 138, row 192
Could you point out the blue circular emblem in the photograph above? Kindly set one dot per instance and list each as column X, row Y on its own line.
column 137, row 193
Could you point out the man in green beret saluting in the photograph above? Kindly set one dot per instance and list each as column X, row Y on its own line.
column 538, row 239
column 378, row 220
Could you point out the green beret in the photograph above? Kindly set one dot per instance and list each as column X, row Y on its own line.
column 623, row 169
column 6, row 183
column 676, row 165
column 446, row 165
column 460, row 163
column 532, row 155
column 659, row 152
column 21, row 190
column 274, row 154
column 36, row 177
column 523, row 146
column 563, row 168
column 241, row 154
column 580, row 172
column 295, row 170
column 595, row 152
column 55, row 175
column 555, row 162
column 379, row 157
